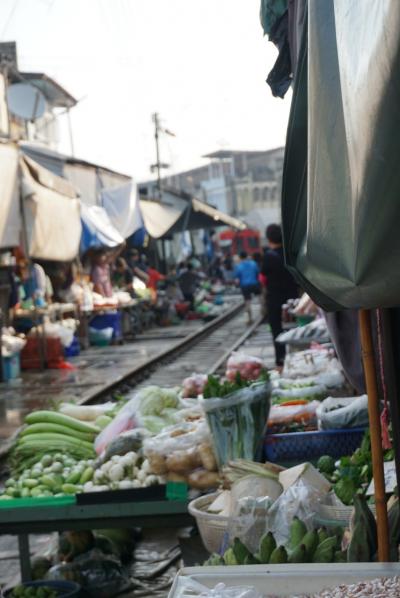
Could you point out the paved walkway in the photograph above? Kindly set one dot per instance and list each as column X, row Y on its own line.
column 94, row 369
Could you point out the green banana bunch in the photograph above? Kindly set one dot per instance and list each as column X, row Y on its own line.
column 267, row 546
column 240, row 551
column 296, row 533
column 214, row 561
column 325, row 551
column 279, row 556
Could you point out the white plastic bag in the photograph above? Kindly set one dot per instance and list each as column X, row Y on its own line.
column 348, row 412
column 189, row 588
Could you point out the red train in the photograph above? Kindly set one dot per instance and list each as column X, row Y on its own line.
column 232, row 242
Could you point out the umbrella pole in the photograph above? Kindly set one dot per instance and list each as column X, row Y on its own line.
column 375, row 430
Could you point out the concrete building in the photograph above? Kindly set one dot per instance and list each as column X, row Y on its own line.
column 245, row 184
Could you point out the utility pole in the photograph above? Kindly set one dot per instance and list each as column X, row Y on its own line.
column 158, row 164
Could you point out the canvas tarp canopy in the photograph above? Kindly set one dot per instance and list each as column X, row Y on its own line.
column 122, row 207
column 97, row 229
column 341, row 187
column 10, row 217
column 177, row 214
column 52, row 213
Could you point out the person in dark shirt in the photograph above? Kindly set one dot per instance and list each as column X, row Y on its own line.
column 188, row 281
column 281, row 285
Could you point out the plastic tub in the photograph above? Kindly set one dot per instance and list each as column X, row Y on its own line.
column 108, row 320
column 11, row 367
column 66, row 589
column 287, row 580
column 100, row 338
column 306, row 446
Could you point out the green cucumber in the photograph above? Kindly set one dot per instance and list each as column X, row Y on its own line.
column 52, row 417
column 87, row 475
column 45, row 428
column 70, row 488
column 74, row 477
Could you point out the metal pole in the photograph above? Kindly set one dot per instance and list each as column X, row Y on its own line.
column 158, row 163
column 376, row 434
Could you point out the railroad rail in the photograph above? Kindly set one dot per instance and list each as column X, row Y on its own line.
column 203, row 351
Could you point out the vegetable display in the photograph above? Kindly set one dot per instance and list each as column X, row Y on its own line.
column 350, row 475
column 33, row 592
column 52, row 475
column 304, row 546
column 237, row 419
column 49, row 433
column 183, row 453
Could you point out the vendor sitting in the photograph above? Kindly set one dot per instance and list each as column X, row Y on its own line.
column 122, row 276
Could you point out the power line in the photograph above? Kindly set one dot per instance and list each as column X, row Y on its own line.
column 10, row 16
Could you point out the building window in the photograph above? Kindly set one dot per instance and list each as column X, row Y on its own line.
column 256, row 195
column 266, row 194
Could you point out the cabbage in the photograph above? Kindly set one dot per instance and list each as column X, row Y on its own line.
column 153, row 400
column 153, row 423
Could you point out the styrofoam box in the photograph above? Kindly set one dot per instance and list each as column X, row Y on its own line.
column 287, row 580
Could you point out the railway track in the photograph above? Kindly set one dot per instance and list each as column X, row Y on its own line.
column 203, row 351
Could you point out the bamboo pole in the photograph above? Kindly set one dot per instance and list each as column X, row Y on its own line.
column 375, row 429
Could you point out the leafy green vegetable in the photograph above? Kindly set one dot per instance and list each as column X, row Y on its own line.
column 345, row 490
column 153, row 400
column 326, row 464
column 215, row 389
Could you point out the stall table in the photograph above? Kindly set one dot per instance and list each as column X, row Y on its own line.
column 22, row 521
column 55, row 312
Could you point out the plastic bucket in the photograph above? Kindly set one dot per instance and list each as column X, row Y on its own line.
column 64, row 589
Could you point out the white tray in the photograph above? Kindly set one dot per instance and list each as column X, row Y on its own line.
column 287, row 580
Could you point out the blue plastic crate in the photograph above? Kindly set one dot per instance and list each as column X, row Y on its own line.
column 307, row 446
column 11, row 367
column 110, row 319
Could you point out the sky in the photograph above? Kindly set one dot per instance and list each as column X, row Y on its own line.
column 201, row 64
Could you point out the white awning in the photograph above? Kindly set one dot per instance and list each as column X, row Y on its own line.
column 122, row 206
column 219, row 217
column 10, row 218
column 159, row 218
column 52, row 212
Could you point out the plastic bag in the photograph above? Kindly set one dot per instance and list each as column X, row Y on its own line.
column 10, row 343
column 184, row 453
column 305, row 392
column 189, row 588
column 149, row 401
column 193, row 386
column 282, row 417
column 126, row 419
column 316, row 331
column 254, row 517
column 351, row 412
column 237, row 422
column 99, row 575
column 309, row 363
column 247, row 366
column 332, row 378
